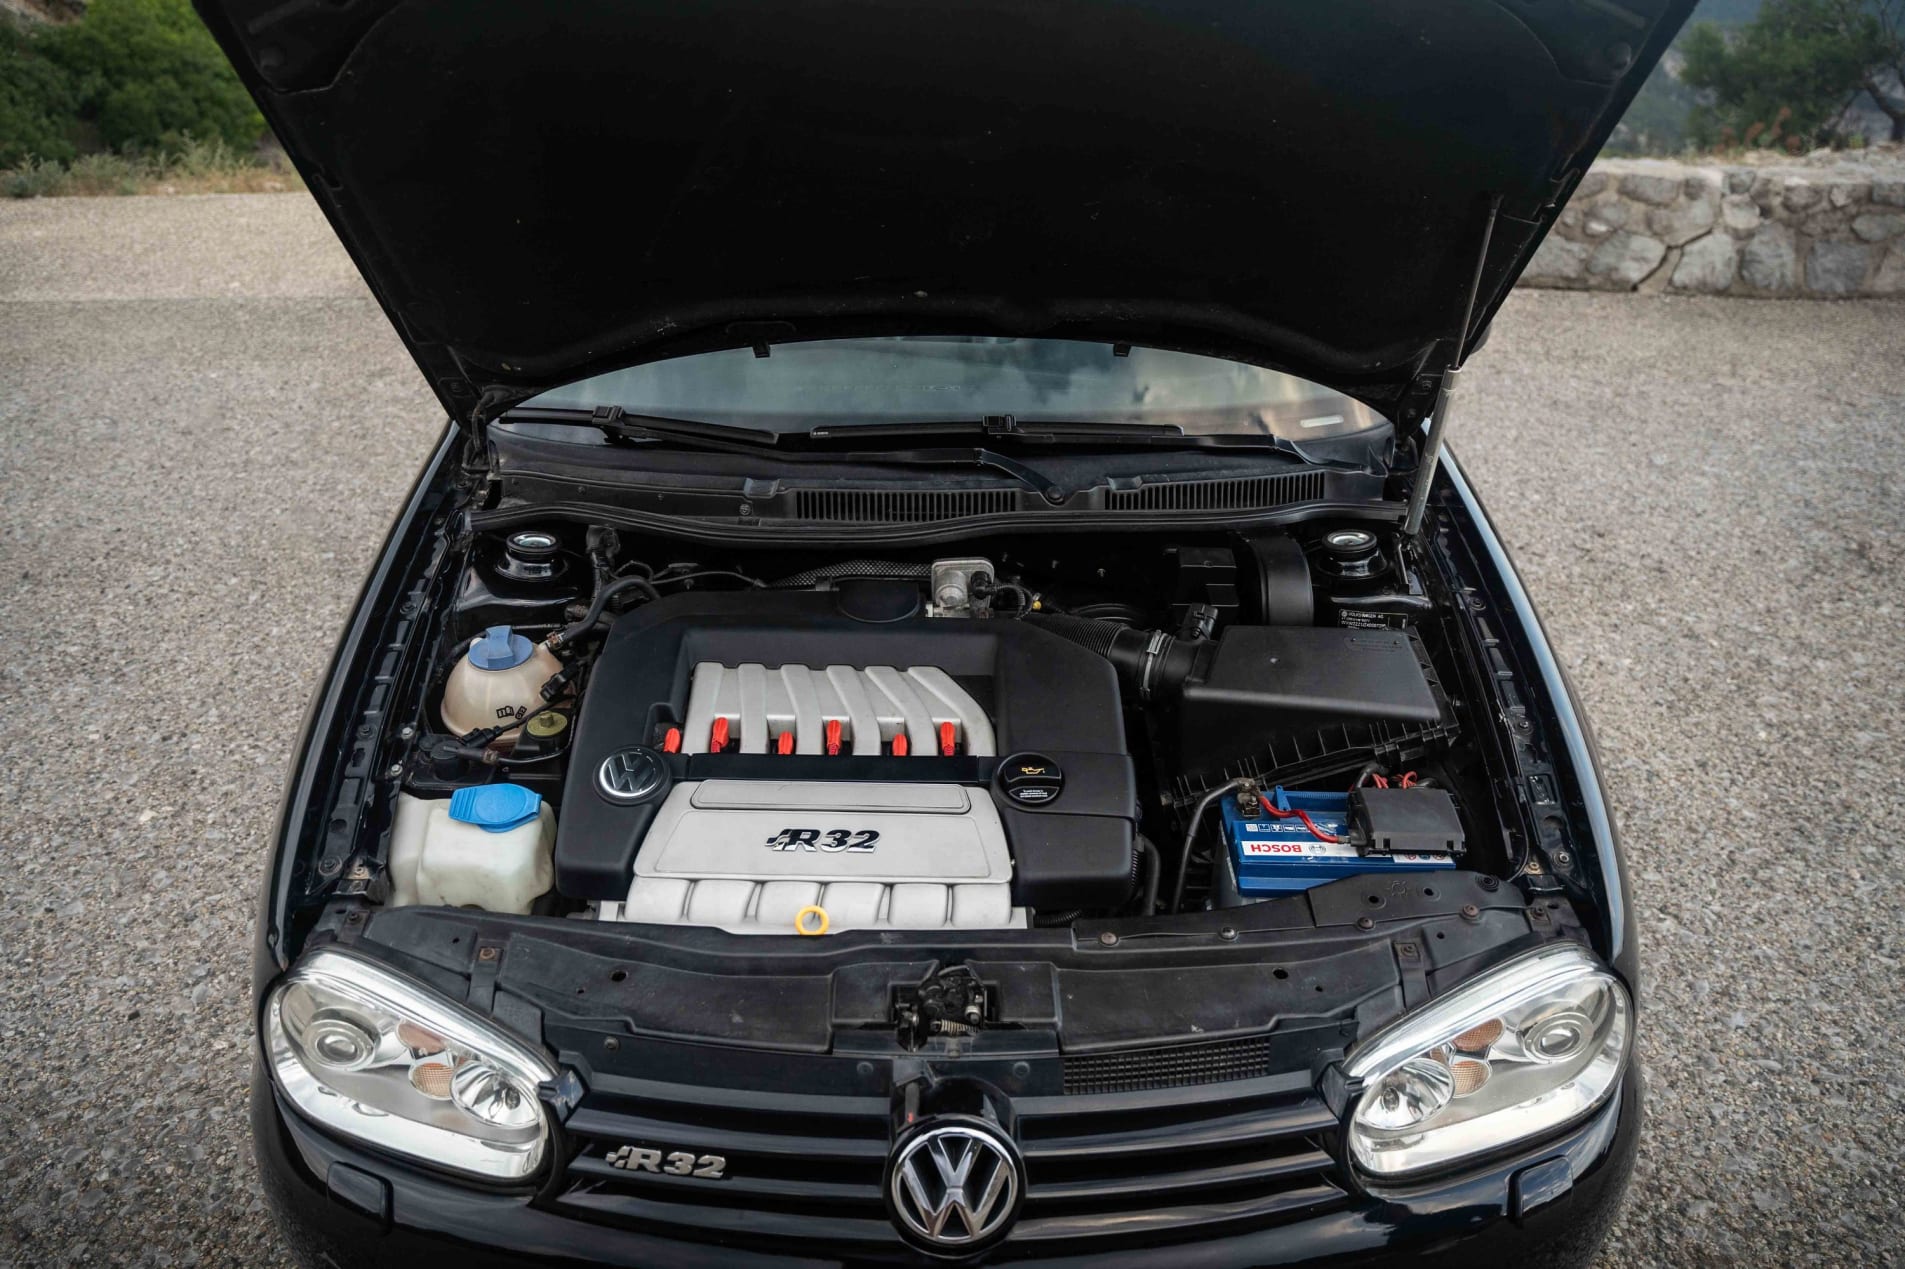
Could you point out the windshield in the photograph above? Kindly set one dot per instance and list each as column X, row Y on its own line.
column 933, row 379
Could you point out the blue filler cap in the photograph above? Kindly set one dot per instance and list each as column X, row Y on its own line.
column 500, row 648
column 495, row 808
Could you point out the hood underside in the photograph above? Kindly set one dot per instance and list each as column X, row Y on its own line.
column 537, row 192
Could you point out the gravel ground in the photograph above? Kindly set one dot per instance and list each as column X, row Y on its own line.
column 205, row 424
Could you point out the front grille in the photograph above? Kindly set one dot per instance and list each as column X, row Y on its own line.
column 1176, row 1066
column 804, row 1173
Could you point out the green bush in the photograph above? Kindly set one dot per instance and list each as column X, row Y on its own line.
column 195, row 167
column 33, row 178
column 131, row 75
column 39, row 105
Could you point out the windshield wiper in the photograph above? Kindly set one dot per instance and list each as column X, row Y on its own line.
column 1006, row 427
column 614, row 421
column 726, row 438
column 1031, row 477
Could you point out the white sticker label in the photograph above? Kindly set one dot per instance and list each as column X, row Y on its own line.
column 1307, row 849
column 1296, row 849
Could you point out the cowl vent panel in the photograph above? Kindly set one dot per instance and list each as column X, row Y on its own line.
column 901, row 506
column 1246, row 493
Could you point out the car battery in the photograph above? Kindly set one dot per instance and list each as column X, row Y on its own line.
column 1276, row 856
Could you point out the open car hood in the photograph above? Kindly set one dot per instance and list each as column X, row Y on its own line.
column 541, row 191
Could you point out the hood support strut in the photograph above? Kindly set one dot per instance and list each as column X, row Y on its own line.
column 1447, row 387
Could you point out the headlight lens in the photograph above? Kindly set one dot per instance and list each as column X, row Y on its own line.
column 372, row 1055
column 1523, row 1050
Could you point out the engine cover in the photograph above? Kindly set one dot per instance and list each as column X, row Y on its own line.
column 739, row 757
column 749, row 855
column 841, row 709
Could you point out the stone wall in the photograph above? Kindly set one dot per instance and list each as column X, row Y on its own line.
column 1825, row 226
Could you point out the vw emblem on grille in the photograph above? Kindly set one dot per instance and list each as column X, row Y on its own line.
column 629, row 775
column 954, row 1185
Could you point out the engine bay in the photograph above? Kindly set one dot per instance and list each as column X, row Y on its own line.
column 1018, row 733
column 767, row 752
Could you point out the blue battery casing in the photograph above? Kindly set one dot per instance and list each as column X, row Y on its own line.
column 1281, row 856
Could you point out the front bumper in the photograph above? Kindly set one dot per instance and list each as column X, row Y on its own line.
column 1549, row 1206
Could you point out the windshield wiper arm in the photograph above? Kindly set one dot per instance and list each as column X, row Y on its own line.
column 1005, row 427
column 1032, row 478
column 1002, row 427
column 614, row 421
column 726, row 438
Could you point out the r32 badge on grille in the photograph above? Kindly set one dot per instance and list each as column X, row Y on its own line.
column 832, row 841
column 954, row 1187
column 706, row 1167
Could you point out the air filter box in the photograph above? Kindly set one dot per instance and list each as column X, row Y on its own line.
column 1263, row 682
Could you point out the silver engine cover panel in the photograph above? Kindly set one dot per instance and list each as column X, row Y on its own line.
column 749, row 855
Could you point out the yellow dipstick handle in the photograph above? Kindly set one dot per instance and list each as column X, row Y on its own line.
column 813, row 910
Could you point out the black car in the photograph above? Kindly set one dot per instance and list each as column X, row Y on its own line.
column 934, row 701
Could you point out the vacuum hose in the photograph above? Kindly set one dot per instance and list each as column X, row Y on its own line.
column 569, row 634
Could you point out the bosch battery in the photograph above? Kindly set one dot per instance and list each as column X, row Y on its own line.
column 1283, row 854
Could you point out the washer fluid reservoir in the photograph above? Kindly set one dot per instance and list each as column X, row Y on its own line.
column 487, row 846
column 499, row 678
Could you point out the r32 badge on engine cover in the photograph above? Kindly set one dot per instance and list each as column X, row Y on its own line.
column 833, row 841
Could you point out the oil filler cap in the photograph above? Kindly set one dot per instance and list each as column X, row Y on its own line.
column 495, row 808
column 1031, row 779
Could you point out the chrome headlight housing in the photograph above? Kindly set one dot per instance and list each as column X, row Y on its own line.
column 372, row 1055
column 1520, row 1051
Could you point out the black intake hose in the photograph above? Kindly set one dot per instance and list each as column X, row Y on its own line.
column 1149, row 661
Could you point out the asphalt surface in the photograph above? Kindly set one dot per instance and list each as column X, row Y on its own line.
column 205, row 425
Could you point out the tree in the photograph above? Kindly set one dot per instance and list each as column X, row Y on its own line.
column 1792, row 72
column 38, row 103
column 1656, row 121
column 129, row 75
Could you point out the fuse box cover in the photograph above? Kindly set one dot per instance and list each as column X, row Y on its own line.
column 1386, row 821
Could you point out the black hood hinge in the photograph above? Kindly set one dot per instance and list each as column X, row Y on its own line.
column 491, row 402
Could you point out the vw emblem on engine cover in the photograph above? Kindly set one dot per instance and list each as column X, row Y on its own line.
column 629, row 775
column 954, row 1186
